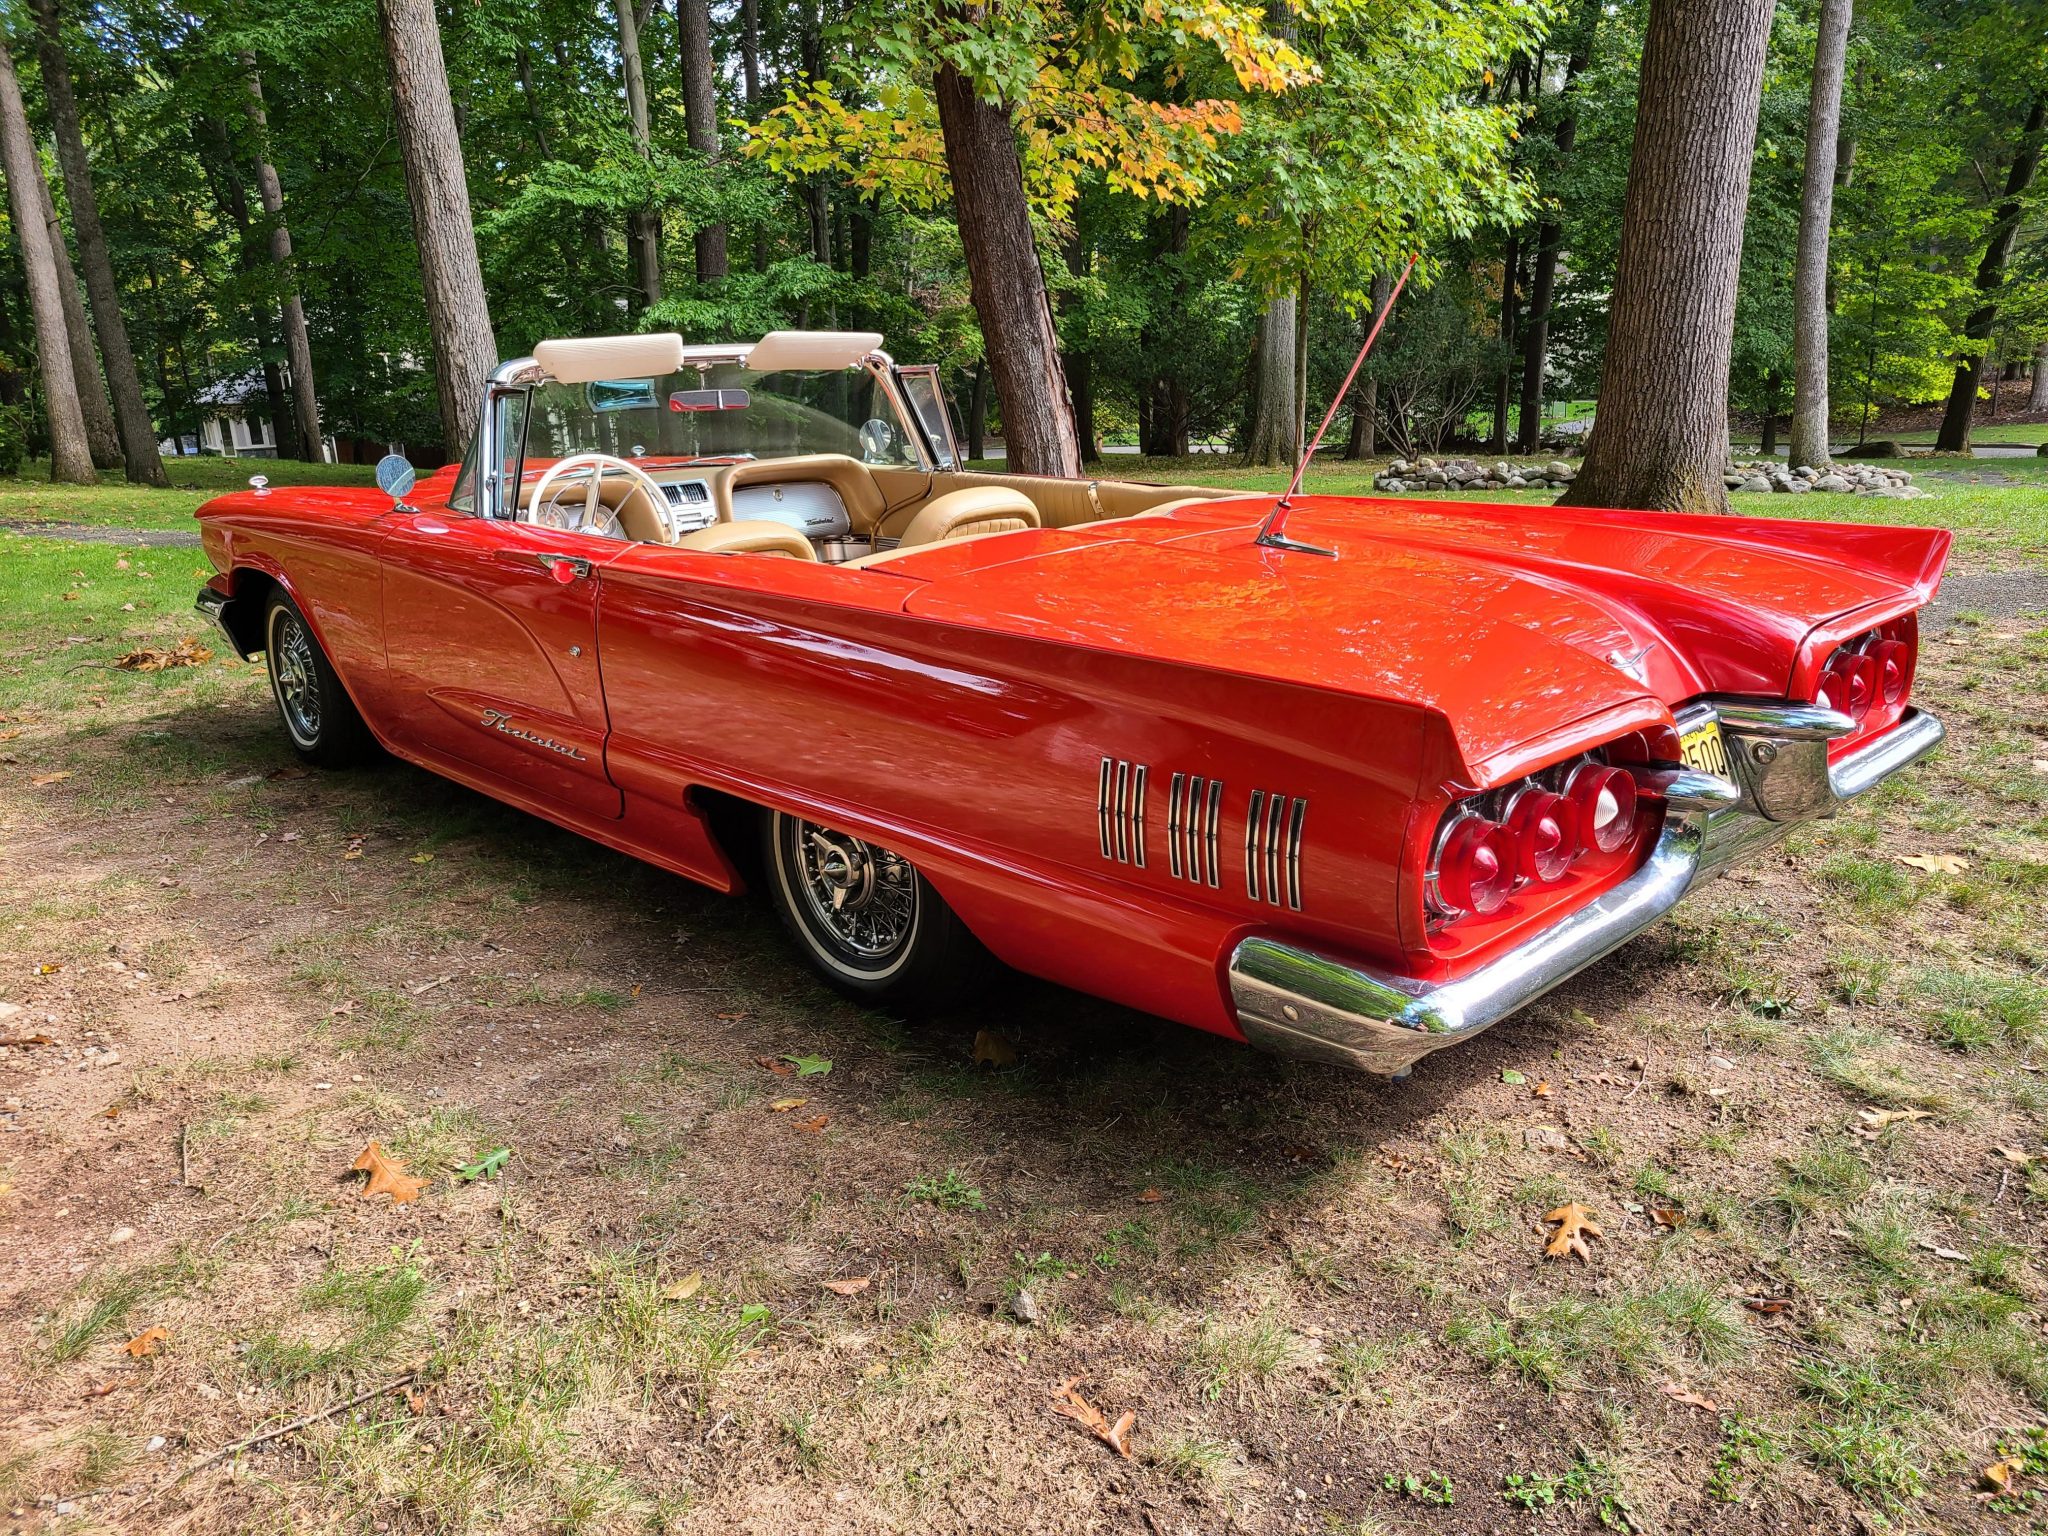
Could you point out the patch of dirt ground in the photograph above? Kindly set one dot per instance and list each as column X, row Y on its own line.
column 1807, row 1116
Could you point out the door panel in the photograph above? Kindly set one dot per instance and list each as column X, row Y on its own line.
column 491, row 637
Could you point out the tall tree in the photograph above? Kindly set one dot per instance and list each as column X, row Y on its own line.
column 1810, row 416
column 70, row 456
column 643, row 226
column 102, row 440
column 1270, row 437
column 1550, row 234
column 450, row 275
column 298, row 347
column 141, row 459
column 1954, row 436
column 2037, row 398
column 700, row 118
column 1007, row 282
column 1661, row 438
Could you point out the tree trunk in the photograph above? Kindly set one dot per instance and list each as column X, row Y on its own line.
column 141, row 460
column 1767, row 444
column 1079, row 364
column 298, row 348
column 1005, row 279
column 1364, row 440
column 1510, row 275
column 1962, row 398
column 457, row 314
column 2037, row 400
column 1270, row 440
column 750, row 53
column 1301, row 315
column 1810, row 414
column 1662, row 436
column 70, row 455
column 700, row 118
column 1549, row 244
column 643, row 225
column 977, row 412
column 102, row 439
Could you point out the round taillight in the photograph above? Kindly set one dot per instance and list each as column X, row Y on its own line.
column 1475, row 866
column 1543, row 828
column 1850, row 684
column 1604, row 804
column 1894, row 663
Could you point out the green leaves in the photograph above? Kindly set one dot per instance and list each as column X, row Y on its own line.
column 487, row 1167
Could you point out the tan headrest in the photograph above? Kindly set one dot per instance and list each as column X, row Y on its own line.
column 749, row 536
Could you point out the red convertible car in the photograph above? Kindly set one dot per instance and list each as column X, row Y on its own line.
column 1353, row 794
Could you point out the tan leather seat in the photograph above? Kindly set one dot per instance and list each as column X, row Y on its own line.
column 966, row 513
column 749, row 536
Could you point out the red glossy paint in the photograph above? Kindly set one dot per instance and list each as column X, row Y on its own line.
column 957, row 704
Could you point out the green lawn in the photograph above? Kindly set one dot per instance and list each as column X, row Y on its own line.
column 2031, row 433
column 114, row 503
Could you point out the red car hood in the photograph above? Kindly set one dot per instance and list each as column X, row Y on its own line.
column 1529, row 629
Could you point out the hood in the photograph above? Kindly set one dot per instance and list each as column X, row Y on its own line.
column 1531, row 631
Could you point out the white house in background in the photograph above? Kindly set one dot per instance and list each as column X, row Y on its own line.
column 236, row 422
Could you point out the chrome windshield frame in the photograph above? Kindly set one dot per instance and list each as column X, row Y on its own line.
column 521, row 374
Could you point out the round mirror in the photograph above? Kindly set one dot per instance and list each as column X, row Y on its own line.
column 877, row 440
column 258, row 482
column 394, row 475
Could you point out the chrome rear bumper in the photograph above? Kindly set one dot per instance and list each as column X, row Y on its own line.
column 1300, row 1003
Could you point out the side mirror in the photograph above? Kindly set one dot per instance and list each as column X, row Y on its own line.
column 395, row 476
column 877, row 440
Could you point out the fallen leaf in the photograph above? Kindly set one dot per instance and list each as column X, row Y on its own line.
column 148, row 1341
column 186, row 653
column 101, row 1390
column 685, row 1288
column 815, row 1123
column 111, row 1112
column 428, row 858
column 1935, row 863
column 1999, row 1475
column 387, row 1176
column 1769, row 1306
column 26, row 1040
column 42, row 779
column 486, row 1167
column 49, row 968
column 993, row 1049
column 1574, row 1225
column 1670, row 1217
column 1149, row 1196
column 1541, row 1090
column 783, row 1106
column 851, row 1286
column 809, row 1066
column 1068, row 1403
column 1874, row 1121
column 415, row 1402
column 779, row 1068
column 1678, row 1394
column 1510, row 1075
column 1953, row 1255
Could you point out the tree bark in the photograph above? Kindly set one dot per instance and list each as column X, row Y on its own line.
column 643, row 225
column 1661, row 441
column 1270, row 439
column 1810, row 416
column 141, row 460
column 1510, row 278
column 298, row 347
column 2037, row 399
column 70, row 455
column 1301, row 318
column 1365, row 409
column 1954, row 436
column 1549, row 245
column 102, row 438
column 457, row 315
column 700, row 118
column 1005, row 279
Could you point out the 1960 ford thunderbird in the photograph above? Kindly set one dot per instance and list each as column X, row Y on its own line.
column 1352, row 794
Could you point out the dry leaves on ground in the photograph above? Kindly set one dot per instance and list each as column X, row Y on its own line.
column 1574, row 1224
column 1069, row 1403
column 852, row 1286
column 783, row 1106
column 685, row 1288
column 186, row 653
column 1874, row 1121
column 1999, row 1475
column 815, row 1123
column 779, row 1068
column 1678, row 1394
column 1935, row 863
column 993, row 1050
column 387, row 1176
column 43, row 780
column 148, row 1341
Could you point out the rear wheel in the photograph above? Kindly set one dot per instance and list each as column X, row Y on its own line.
column 318, row 714
column 864, row 917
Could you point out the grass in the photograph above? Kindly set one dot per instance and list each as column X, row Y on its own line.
column 114, row 503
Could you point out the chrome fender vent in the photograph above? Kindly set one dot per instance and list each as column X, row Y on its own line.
column 1120, row 811
column 1194, row 810
column 1272, row 848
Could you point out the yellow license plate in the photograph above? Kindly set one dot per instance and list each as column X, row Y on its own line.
column 1703, row 750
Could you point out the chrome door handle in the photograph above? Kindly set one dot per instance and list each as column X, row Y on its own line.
column 564, row 568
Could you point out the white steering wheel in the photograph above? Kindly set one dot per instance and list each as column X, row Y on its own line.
column 597, row 517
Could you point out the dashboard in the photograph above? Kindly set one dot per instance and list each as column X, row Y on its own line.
column 811, row 507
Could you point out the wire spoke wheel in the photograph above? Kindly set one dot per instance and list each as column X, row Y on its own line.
column 295, row 677
column 862, row 899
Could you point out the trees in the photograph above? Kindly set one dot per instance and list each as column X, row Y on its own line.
column 643, row 227
column 141, row 460
column 1662, row 436
column 305, row 402
column 450, row 276
column 70, row 457
column 700, row 116
column 1810, row 418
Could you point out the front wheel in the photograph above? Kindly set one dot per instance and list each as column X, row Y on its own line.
column 318, row 714
column 864, row 917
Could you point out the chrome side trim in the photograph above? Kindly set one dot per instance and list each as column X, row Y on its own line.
column 1123, row 797
column 1294, row 824
column 1254, row 824
column 1301, row 1003
column 1120, row 810
column 1102, row 808
column 1138, row 815
column 1173, row 828
column 1212, row 824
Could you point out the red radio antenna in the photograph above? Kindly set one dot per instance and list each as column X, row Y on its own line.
column 1273, row 532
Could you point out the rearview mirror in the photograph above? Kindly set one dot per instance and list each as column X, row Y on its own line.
column 395, row 476
column 709, row 400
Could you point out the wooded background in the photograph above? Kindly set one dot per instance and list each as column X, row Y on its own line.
column 1155, row 223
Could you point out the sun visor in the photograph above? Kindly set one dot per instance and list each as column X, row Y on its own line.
column 781, row 350
column 585, row 359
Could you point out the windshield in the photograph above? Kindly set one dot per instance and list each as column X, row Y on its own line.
column 712, row 411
